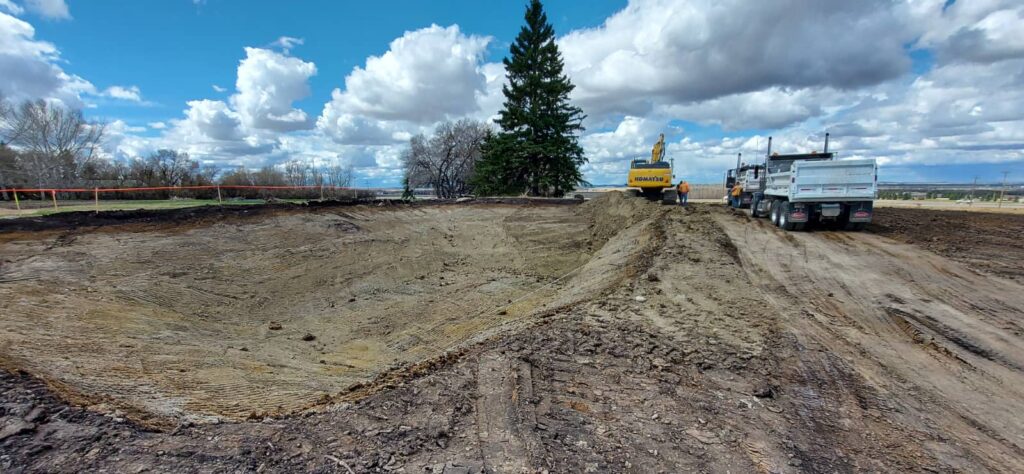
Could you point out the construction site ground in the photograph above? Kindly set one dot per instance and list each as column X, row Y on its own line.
column 616, row 335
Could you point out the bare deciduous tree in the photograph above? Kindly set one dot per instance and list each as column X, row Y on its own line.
column 300, row 173
column 447, row 160
column 55, row 144
column 338, row 175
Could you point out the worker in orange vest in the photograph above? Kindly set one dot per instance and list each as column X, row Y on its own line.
column 737, row 192
column 683, row 189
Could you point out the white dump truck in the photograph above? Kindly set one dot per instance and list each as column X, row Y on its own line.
column 816, row 188
column 749, row 178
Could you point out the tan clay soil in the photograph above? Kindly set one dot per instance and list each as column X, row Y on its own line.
column 641, row 338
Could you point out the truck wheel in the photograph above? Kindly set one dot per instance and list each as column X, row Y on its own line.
column 774, row 212
column 784, row 222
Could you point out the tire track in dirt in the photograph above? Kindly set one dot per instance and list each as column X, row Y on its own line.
column 907, row 321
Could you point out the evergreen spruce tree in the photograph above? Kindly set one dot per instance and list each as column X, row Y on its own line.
column 536, row 149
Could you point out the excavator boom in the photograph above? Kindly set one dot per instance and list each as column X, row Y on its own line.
column 658, row 152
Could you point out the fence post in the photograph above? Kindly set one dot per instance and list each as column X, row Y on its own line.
column 17, row 204
column 53, row 195
column 219, row 200
column 96, row 198
column 321, row 191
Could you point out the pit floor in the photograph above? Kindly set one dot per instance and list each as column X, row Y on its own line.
column 272, row 314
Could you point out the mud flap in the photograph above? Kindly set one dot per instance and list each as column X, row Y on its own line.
column 861, row 212
column 799, row 213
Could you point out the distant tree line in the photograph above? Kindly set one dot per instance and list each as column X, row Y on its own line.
column 43, row 145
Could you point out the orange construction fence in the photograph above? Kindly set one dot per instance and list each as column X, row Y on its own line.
column 52, row 192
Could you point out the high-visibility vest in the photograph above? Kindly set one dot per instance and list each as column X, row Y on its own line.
column 736, row 191
column 684, row 187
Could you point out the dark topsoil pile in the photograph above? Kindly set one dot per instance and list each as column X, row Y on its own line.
column 982, row 240
column 198, row 214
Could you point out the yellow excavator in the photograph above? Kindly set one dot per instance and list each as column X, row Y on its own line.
column 652, row 178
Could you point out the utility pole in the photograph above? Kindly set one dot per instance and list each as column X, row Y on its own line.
column 970, row 202
column 1002, row 190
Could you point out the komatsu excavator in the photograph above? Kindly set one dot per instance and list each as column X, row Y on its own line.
column 653, row 178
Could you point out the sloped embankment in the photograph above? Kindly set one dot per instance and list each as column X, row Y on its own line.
column 230, row 319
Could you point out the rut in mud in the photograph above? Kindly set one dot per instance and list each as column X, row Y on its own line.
column 688, row 341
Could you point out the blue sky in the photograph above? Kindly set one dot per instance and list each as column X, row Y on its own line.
column 933, row 90
column 176, row 50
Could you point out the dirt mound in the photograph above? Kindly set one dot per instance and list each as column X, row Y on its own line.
column 613, row 211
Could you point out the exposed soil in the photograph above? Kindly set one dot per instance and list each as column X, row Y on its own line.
column 234, row 319
column 985, row 241
column 685, row 340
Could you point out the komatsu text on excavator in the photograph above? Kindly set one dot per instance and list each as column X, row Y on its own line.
column 653, row 178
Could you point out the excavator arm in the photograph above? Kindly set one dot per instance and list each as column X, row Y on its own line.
column 658, row 153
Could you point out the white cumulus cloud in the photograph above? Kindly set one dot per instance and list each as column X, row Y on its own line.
column 268, row 83
column 30, row 67
column 131, row 93
column 11, row 7
column 54, row 9
column 427, row 75
column 681, row 51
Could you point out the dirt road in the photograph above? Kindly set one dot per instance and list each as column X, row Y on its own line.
column 684, row 341
column 939, row 342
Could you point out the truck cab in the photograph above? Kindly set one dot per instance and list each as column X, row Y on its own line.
column 750, row 178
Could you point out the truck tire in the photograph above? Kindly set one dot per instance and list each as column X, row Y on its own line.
column 774, row 212
column 784, row 222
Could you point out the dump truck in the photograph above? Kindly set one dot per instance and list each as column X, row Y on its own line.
column 652, row 178
column 801, row 189
column 747, row 177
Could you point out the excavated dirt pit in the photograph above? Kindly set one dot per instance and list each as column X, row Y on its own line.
column 612, row 336
column 271, row 314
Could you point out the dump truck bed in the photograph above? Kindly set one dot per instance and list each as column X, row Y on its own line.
column 825, row 181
